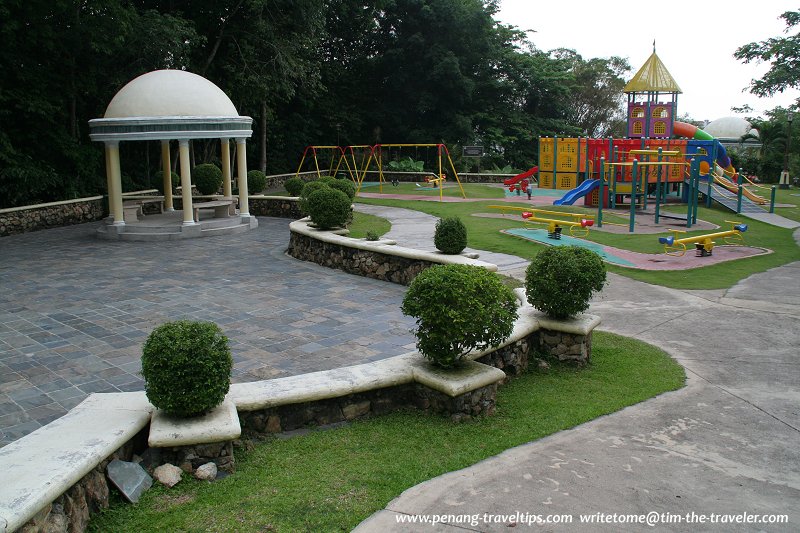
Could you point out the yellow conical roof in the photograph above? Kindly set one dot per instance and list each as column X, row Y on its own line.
column 653, row 76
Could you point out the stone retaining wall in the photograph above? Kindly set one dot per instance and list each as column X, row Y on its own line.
column 70, row 512
column 17, row 220
column 569, row 347
column 189, row 458
column 355, row 261
column 275, row 206
column 375, row 402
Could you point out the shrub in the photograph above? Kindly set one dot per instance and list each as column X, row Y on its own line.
column 406, row 165
column 459, row 308
column 328, row 208
column 159, row 177
column 346, row 186
column 186, row 367
column 308, row 188
column 450, row 236
column 256, row 181
column 560, row 280
column 207, row 178
column 327, row 180
column 294, row 185
column 372, row 236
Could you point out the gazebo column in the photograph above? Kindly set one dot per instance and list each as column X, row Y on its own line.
column 166, row 170
column 186, row 183
column 241, row 167
column 114, row 183
column 225, row 152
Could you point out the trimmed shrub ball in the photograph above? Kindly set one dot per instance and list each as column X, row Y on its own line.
column 560, row 280
column 186, row 367
column 256, row 181
column 459, row 308
column 159, row 178
column 308, row 188
column 345, row 185
column 207, row 178
column 293, row 186
column 450, row 236
column 329, row 208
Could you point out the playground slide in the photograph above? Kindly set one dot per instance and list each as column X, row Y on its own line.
column 581, row 190
column 520, row 177
column 721, row 179
column 684, row 129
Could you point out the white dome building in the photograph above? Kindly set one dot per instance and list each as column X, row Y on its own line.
column 171, row 105
column 730, row 130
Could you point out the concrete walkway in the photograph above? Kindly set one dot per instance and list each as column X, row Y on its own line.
column 727, row 443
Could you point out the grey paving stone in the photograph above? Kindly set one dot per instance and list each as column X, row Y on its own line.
column 93, row 303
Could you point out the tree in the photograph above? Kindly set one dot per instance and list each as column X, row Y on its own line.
column 595, row 92
column 773, row 134
column 782, row 52
column 62, row 61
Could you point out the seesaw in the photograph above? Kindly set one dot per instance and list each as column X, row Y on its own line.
column 704, row 244
column 578, row 226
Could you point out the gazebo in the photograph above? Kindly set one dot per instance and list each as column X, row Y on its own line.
column 169, row 105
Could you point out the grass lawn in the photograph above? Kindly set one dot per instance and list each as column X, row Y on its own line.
column 473, row 190
column 332, row 480
column 362, row 223
column 786, row 196
column 484, row 234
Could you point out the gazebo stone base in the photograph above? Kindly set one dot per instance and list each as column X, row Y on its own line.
column 169, row 226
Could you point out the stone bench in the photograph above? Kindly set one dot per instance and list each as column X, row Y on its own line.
column 133, row 207
column 222, row 208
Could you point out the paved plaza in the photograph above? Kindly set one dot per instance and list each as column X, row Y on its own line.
column 75, row 310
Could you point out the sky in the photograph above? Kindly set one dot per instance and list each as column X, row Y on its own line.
column 694, row 39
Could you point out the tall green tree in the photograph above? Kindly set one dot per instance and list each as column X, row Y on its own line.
column 784, row 55
column 62, row 61
column 595, row 92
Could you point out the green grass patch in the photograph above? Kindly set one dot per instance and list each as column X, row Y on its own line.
column 332, row 480
column 451, row 189
column 789, row 197
column 484, row 234
column 363, row 223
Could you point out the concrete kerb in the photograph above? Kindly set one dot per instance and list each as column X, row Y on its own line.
column 387, row 247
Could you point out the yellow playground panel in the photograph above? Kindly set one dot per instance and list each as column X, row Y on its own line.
column 578, row 223
column 704, row 244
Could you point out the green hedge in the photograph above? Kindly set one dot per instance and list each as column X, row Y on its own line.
column 459, row 308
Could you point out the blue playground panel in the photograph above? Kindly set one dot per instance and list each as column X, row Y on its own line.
column 540, row 236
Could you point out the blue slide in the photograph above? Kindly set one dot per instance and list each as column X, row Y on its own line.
column 581, row 190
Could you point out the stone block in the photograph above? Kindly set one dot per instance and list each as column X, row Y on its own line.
column 130, row 479
column 355, row 410
column 220, row 424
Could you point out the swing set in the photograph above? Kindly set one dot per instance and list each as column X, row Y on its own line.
column 437, row 180
column 359, row 158
column 332, row 171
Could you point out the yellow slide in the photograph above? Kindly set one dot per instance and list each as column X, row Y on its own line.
column 720, row 179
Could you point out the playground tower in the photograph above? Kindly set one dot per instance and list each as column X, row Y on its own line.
column 648, row 115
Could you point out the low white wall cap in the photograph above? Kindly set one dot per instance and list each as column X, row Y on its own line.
column 218, row 425
column 302, row 227
column 40, row 466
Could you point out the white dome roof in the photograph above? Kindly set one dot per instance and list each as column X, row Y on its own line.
column 170, row 93
column 729, row 128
